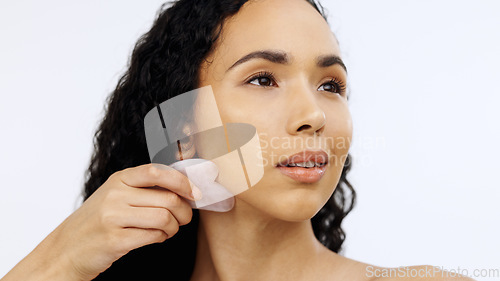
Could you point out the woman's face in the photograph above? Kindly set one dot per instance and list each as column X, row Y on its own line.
column 292, row 92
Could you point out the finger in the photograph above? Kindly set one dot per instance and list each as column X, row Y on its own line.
column 153, row 218
column 138, row 237
column 178, row 206
column 166, row 177
column 152, row 197
column 150, row 218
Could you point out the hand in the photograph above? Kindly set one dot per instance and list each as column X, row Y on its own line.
column 134, row 207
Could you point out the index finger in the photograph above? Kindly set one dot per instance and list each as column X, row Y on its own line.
column 154, row 174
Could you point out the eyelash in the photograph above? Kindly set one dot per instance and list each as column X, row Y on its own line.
column 338, row 84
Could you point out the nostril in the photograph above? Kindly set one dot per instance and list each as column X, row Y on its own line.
column 304, row 127
column 320, row 130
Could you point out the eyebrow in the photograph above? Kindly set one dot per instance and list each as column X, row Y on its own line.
column 283, row 58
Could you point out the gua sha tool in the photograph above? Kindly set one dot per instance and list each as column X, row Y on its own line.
column 229, row 159
column 203, row 174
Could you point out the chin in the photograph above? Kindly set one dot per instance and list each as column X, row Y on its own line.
column 294, row 206
column 299, row 208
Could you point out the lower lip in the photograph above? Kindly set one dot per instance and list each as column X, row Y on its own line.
column 305, row 175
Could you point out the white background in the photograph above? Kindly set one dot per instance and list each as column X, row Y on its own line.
column 424, row 100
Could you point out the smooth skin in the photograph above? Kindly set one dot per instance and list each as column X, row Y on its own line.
column 268, row 234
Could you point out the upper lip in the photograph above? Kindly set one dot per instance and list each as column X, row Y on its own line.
column 318, row 156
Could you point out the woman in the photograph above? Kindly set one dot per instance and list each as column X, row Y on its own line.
column 272, row 63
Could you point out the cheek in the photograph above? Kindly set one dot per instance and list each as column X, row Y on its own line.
column 239, row 109
column 338, row 132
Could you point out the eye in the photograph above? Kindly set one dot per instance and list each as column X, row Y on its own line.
column 264, row 79
column 334, row 86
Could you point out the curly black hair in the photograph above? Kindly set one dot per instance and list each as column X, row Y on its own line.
column 165, row 63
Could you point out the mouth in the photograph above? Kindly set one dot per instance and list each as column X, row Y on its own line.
column 305, row 159
column 307, row 166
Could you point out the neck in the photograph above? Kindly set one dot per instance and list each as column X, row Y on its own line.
column 245, row 244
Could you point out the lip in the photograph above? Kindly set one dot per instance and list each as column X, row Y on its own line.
column 305, row 175
column 318, row 156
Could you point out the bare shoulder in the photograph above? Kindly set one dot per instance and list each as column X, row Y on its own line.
column 349, row 269
column 416, row 272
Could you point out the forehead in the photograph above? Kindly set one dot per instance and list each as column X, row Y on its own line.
column 293, row 26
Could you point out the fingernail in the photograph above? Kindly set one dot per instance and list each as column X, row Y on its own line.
column 196, row 193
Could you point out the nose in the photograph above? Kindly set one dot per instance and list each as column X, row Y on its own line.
column 305, row 114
